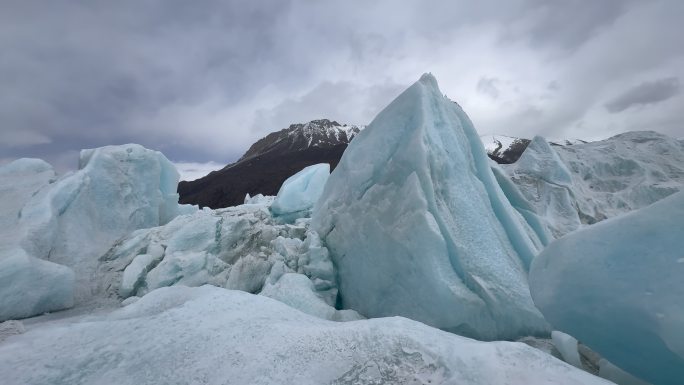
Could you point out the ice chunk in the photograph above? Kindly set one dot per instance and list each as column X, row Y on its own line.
column 299, row 193
column 567, row 346
column 235, row 248
column 30, row 286
column 259, row 199
column 418, row 226
column 135, row 273
column 297, row 291
column 617, row 286
column 19, row 181
column 76, row 219
column 213, row 336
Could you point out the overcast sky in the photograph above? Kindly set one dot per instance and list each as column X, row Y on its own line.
column 202, row 80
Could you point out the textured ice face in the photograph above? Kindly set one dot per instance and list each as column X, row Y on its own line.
column 241, row 247
column 418, row 226
column 299, row 193
column 211, row 335
column 617, row 286
column 28, row 286
column 73, row 220
column 572, row 186
column 546, row 182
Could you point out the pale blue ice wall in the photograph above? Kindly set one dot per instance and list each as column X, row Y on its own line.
column 618, row 286
column 418, row 226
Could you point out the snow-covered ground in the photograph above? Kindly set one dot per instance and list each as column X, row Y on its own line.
column 209, row 335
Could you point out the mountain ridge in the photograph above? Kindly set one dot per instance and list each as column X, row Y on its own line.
column 269, row 161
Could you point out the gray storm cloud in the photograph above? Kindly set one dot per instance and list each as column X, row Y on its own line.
column 645, row 93
column 201, row 82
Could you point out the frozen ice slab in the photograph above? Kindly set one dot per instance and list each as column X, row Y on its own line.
column 209, row 335
column 297, row 291
column 299, row 193
column 116, row 190
column 567, row 346
column 30, row 286
column 617, row 286
column 418, row 226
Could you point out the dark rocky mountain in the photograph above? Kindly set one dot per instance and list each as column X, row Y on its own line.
column 269, row 161
column 507, row 149
column 504, row 149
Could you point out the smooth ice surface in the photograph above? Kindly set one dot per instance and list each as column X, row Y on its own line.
column 299, row 193
column 567, row 346
column 31, row 286
column 418, row 226
column 617, row 286
column 28, row 286
column 573, row 186
column 617, row 375
column 209, row 335
column 76, row 219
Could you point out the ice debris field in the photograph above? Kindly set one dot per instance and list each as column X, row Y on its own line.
column 417, row 260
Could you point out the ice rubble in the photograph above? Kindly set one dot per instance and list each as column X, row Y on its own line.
column 73, row 220
column 418, row 226
column 211, row 335
column 617, row 286
column 299, row 193
column 240, row 247
column 571, row 186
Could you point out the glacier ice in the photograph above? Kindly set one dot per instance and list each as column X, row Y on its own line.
column 211, row 335
column 567, row 346
column 297, row 291
column 617, row 287
column 259, row 199
column 299, row 193
column 30, row 286
column 55, row 229
column 242, row 248
column 418, row 226
column 573, row 186
column 116, row 190
column 548, row 183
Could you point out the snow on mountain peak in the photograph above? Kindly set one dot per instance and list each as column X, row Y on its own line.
column 300, row 136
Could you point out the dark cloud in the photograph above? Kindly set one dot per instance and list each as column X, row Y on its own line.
column 567, row 24
column 645, row 93
column 202, row 81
